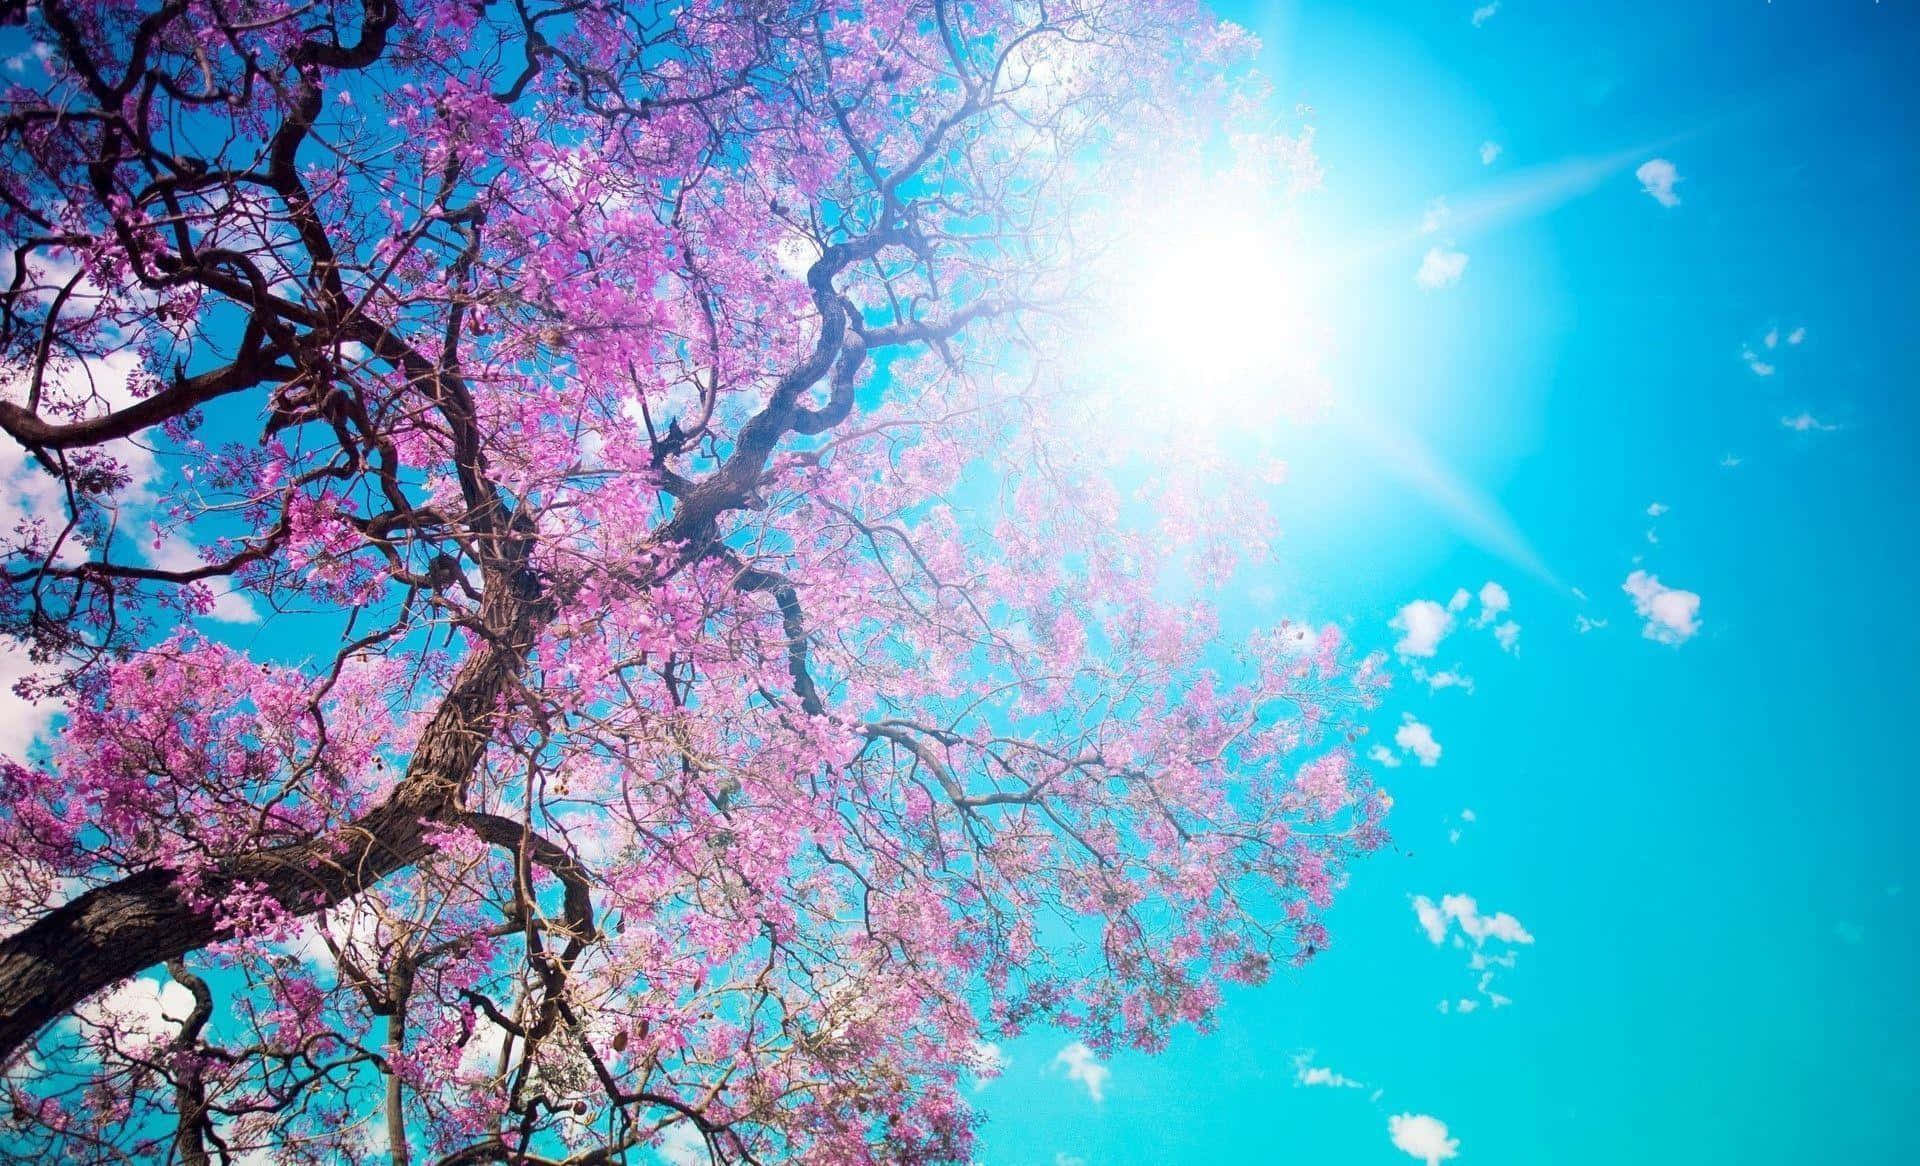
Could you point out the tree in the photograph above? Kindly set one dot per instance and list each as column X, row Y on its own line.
column 713, row 682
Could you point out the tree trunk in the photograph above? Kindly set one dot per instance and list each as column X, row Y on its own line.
column 114, row 931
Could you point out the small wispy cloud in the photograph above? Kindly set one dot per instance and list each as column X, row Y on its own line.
column 1416, row 738
column 1305, row 1072
column 1436, row 919
column 1447, row 678
column 1760, row 366
column 1489, row 152
column 1082, row 1066
column 1485, row 13
column 1494, row 602
column 1796, row 336
column 1656, row 509
column 989, row 1061
column 1658, row 177
column 1441, row 268
column 1460, row 916
column 1454, row 833
column 1807, row 423
column 683, row 1145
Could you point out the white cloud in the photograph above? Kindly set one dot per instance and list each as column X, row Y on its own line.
column 1417, row 739
column 1796, row 336
column 1422, row 624
column 1062, row 1158
column 1305, row 1072
column 1658, row 177
column 229, row 606
column 1760, row 367
column 22, row 722
column 1500, row 925
column 1423, row 1137
column 1469, row 816
column 1441, row 268
column 989, row 1061
column 1437, row 919
column 1381, row 755
column 1772, row 338
column 1671, row 615
column 1436, row 216
column 142, row 1011
column 90, row 388
column 1657, row 509
column 40, row 53
column 1451, row 678
column 795, row 253
column 1081, row 1065
column 1485, row 13
column 353, row 925
column 1489, row 152
column 1432, row 919
column 93, row 388
column 683, row 1145
column 1494, row 601
column 480, row 1060
column 1729, row 461
column 1583, row 625
column 1807, row 423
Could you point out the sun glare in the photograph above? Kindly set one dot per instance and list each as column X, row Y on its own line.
column 1211, row 315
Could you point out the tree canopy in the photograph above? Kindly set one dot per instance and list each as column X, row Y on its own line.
column 711, row 677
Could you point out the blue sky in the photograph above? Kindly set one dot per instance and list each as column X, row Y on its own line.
column 1707, row 841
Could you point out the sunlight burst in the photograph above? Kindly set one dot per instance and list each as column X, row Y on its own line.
column 1211, row 315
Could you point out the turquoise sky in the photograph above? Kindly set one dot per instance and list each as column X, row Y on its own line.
column 1708, row 841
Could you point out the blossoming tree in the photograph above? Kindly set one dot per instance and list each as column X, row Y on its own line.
column 708, row 682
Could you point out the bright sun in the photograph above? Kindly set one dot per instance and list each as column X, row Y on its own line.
column 1210, row 313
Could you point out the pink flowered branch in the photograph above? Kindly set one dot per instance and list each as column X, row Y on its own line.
column 729, row 687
